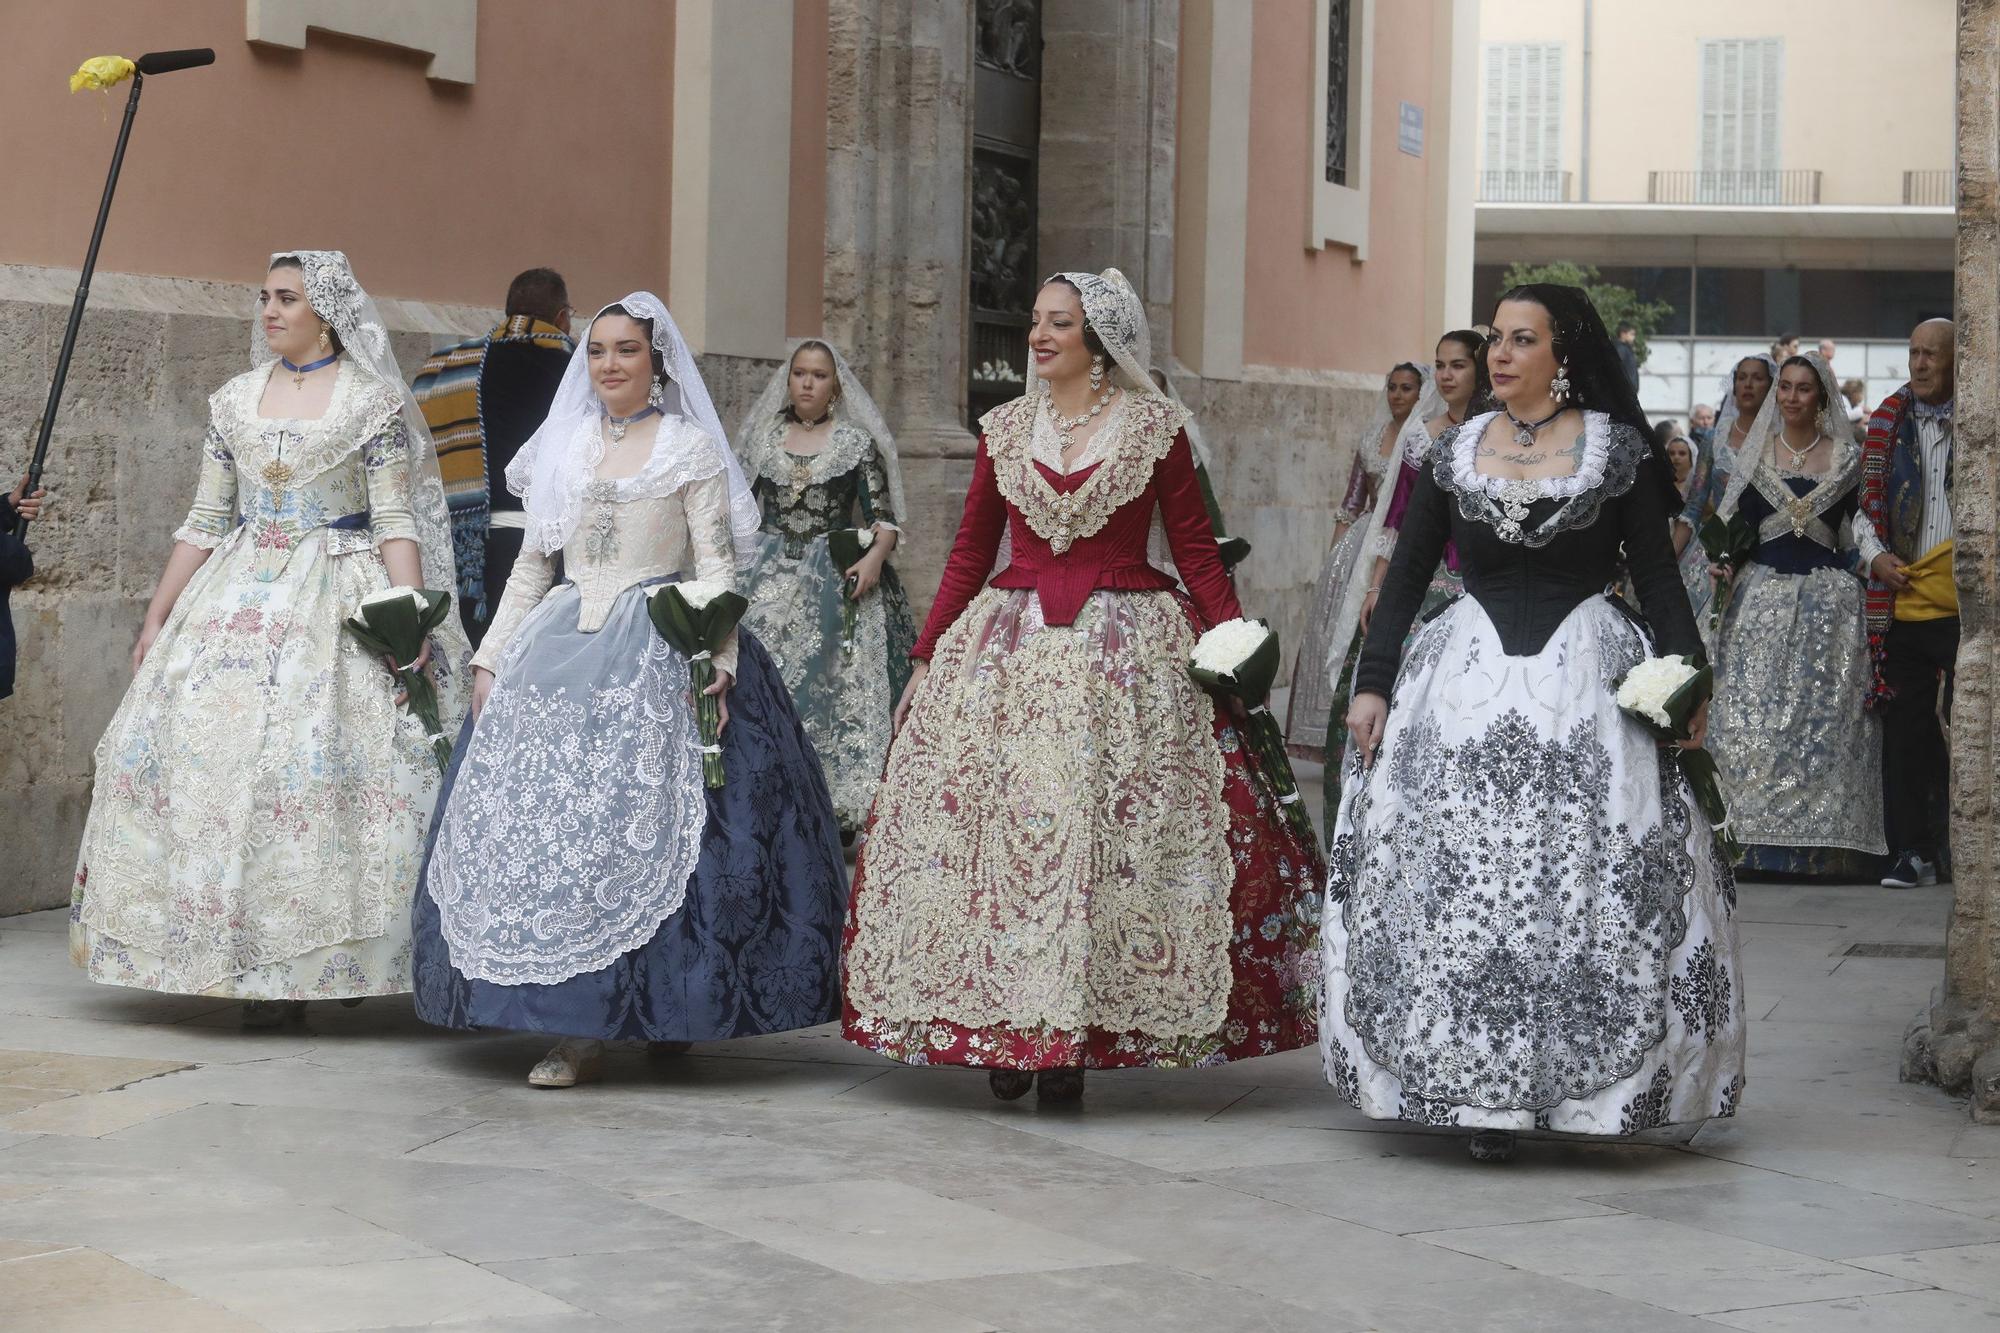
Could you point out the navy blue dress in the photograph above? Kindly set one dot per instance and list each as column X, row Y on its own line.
column 754, row 948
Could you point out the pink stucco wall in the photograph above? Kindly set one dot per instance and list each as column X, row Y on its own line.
column 436, row 191
column 1318, row 309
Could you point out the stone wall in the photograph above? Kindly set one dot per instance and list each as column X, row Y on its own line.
column 1283, row 444
column 122, row 468
column 1956, row 1042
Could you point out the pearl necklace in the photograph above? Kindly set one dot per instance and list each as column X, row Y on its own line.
column 1798, row 454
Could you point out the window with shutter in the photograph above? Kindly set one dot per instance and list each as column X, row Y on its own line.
column 1738, row 144
column 1523, row 131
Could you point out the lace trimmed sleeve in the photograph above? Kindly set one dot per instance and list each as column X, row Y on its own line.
column 213, row 513
column 707, row 505
column 385, row 458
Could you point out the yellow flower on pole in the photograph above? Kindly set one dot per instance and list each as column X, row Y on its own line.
column 101, row 74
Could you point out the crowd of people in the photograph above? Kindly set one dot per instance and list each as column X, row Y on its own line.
column 1067, row 854
column 1830, row 619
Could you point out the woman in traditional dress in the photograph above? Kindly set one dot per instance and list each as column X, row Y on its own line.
column 582, row 880
column 1528, row 925
column 1801, row 758
column 1749, row 387
column 1070, row 862
column 1456, row 386
column 1313, row 696
column 819, row 459
column 258, row 815
column 1696, row 576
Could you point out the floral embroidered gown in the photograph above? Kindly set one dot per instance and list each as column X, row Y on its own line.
column 257, row 821
column 1799, row 754
column 1070, row 862
column 582, row 881
column 845, row 692
column 1528, row 925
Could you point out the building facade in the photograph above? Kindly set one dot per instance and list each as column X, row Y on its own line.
column 1286, row 182
column 1761, row 173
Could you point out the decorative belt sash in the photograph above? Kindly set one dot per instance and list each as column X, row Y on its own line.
column 274, row 542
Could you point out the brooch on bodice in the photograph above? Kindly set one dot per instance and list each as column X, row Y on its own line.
column 276, row 471
column 1064, row 510
column 1515, row 498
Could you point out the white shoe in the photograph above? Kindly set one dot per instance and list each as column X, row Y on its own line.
column 1910, row 872
column 572, row 1062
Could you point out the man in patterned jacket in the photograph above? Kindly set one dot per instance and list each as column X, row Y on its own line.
column 1912, row 600
column 482, row 399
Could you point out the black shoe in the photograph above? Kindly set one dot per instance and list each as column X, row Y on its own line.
column 1492, row 1145
column 1060, row 1087
column 1010, row 1085
column 1910, row 872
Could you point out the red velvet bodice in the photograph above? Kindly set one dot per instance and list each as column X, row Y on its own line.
column 1112, row 557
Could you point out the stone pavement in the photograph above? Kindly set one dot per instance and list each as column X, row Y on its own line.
column 162, row 1170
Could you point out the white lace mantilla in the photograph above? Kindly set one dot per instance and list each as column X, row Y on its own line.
column 1612, row 452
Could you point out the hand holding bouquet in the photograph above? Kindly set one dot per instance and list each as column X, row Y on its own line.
column 1663, row 695
column 1238, row 659
column 846, row 546
column 1727, row 542
column 396, row 623
column 696, row 619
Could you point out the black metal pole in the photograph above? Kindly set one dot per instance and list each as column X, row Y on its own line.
column 16, row 523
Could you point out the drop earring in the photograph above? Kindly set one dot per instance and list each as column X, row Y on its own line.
column 1559, row 386
column 657, row 394
column 324, row 341
column 1096, row 373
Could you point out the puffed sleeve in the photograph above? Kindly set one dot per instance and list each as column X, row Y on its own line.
column 213, row 513
column 1191, row 536
column 385, row 458
column 534, row 574
column 877, row 507
column 971, row 559
column 707, row 504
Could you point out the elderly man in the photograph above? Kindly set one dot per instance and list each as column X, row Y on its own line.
column 1826, row 350
column 1912, row 599
column 482, row 400
column 1701, row 424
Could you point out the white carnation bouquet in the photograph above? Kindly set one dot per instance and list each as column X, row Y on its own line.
column 1662, row 694
column 845, row 547
column 1239, row 659
column 696, row 618
column 393, row 623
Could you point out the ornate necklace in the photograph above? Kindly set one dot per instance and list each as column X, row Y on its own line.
column 1799, row 455
column 798, row 420
column 616, row 426
column 1525, row 431
column 299, row 373
column 1066, row 426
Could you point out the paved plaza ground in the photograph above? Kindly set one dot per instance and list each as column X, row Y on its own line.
column 161, row 1170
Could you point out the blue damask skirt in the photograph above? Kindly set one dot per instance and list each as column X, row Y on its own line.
column 753, row 947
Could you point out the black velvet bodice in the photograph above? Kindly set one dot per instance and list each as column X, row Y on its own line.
column 1529, row 573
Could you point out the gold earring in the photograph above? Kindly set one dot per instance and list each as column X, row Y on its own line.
column 324, row 341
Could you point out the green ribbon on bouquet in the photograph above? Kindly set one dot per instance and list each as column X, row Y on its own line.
column 395, row 623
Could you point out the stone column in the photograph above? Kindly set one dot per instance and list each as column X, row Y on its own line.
column 1110, row 75
column 899, row 144
column 1956, row 1043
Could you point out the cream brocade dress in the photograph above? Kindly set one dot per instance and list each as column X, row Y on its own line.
column 257, row 820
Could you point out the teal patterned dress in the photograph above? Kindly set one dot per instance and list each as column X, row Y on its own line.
column 845, row 689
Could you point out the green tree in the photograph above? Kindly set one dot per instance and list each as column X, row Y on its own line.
column 1615, row 304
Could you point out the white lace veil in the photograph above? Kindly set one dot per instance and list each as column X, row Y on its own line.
column 1165, row 384
column 1760, row 444
column 336, row 297
column 853, row 405
column 1413, row 436
column 1725, row 415
column 554, row 468
column 1114, row 312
